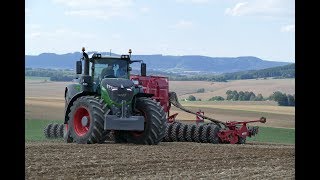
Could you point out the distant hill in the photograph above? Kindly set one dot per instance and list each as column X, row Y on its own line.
column 177, row 64
column 286, row 71
column 279, row 72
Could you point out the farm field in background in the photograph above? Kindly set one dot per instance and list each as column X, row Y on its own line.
column 45, row 100
column 264, row 86
column 34, row 87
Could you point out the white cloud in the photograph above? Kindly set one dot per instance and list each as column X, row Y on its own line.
column 99, row 9
column 237, row 10
column 288, row 28
column 271, row 8
column 183, row 25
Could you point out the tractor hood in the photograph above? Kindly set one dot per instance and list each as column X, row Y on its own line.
column 118, row 83
column 118, row 90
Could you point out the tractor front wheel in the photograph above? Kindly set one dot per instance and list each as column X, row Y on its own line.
column 155, row 122
column 86, row 120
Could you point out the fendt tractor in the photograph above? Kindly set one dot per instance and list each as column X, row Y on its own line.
column 109, row 103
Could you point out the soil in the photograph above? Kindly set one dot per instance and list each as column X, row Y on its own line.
column 167, row 160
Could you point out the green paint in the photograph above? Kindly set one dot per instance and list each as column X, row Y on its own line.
column 105, row 96
column 107, row 99
column 78, row 87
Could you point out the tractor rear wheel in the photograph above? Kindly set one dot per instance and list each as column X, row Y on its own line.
column 66, row 134
column 86, row 120
column 155, row 122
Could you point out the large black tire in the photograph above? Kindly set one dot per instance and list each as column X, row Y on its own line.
column 174, row 131
column 46, row 130
column 66, row 134
column 90, row 109
column 190, row 132
column 197, row 133
column 155, row 122
column 182, row 132
column 168, row 133
column 204, row 134
column 213, row 134
column 53, row 130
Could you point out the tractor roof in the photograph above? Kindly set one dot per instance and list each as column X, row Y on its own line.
column 99, row 56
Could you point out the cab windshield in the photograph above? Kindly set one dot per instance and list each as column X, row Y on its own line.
column 110, row 68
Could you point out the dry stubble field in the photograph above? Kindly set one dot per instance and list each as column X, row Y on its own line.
column 181, row 160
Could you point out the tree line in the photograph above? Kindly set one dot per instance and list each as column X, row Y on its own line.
column 282, row 99
column 287, row 71
column 54, row 74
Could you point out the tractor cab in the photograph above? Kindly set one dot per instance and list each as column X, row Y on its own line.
column 108, row 67
column 98, row 67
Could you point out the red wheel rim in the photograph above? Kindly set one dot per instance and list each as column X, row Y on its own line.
column 79, row 128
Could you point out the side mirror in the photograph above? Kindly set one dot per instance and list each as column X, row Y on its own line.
column 79, row 67
column 143, row 69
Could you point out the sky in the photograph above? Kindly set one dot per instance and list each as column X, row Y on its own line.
column 215, row 28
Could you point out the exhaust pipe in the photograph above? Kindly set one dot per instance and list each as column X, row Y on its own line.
column 86, row 62
column 86, row 80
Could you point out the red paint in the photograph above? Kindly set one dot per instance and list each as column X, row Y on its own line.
column 198, row 118
column 77, row 125
column 159, row 87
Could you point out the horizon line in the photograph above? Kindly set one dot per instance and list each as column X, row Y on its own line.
column 162, row 55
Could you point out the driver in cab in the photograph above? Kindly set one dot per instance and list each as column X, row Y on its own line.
column 107, row 72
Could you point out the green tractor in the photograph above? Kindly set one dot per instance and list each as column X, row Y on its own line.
column 105, row 99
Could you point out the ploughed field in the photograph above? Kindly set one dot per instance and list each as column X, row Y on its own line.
column 182, row 160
